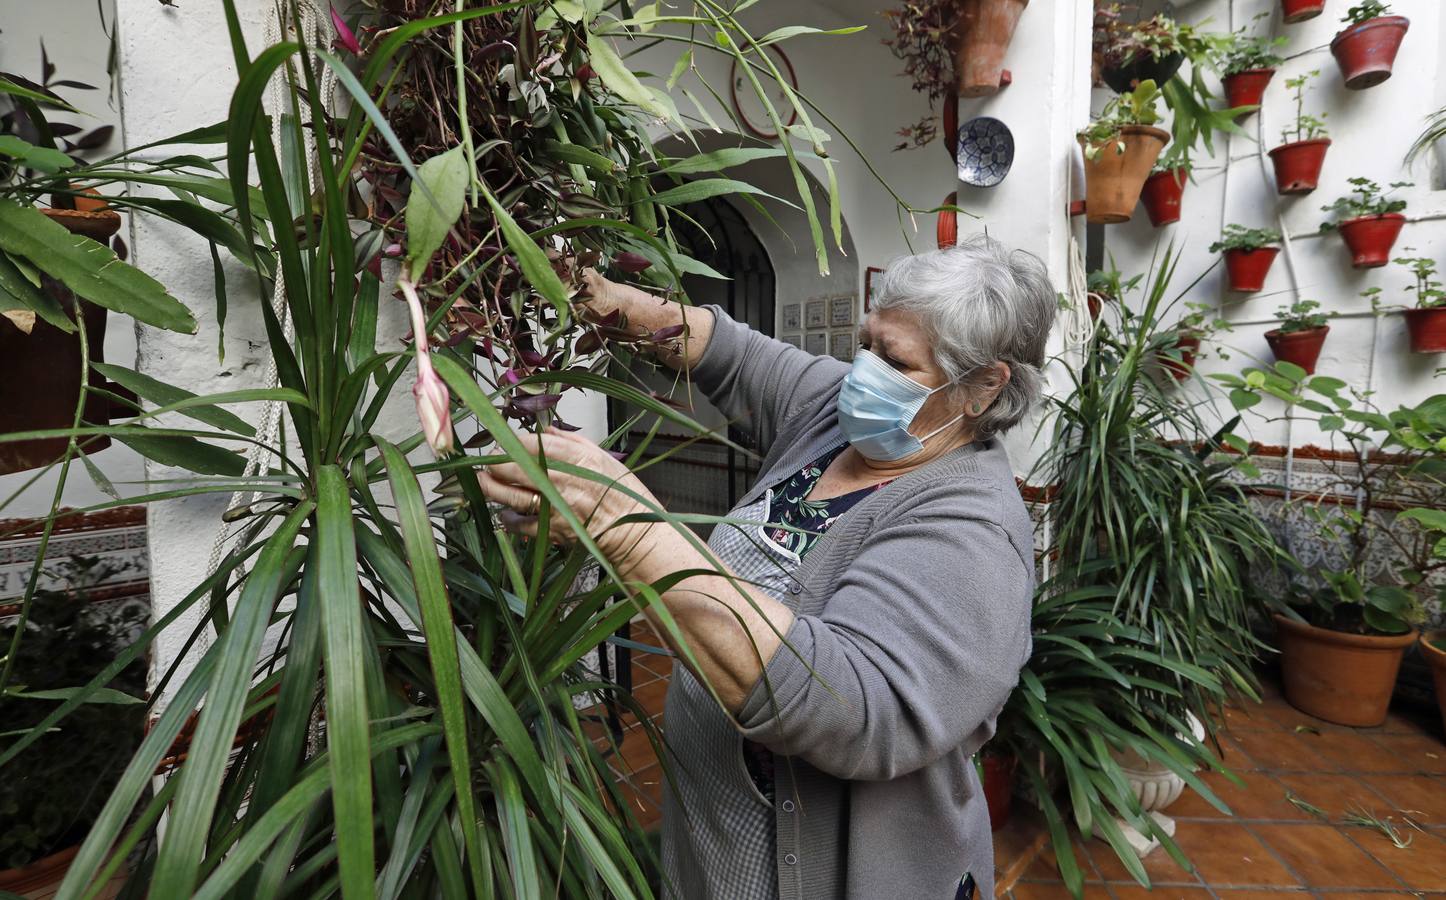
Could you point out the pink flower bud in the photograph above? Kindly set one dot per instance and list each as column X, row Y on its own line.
column 433, row 408
column 344, row 36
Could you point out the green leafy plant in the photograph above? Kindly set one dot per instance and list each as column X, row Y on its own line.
column 1243, row 52
column 1302, row 315
column 51, row 793
column 923, row 40
column 1143, row 625
column 1238, row 237
column 1365, row 12
column 1366, row 199
column 438, row 656
column 1119, row 42
column 1428, row 288
column 1305, row 127
column 1137, row 107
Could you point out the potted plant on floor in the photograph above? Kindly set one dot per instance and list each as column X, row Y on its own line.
column 1369, row 221
column 1249, row 253
column 1120, row 147
column 52, row 793
column 1366, row 48
column 1247, row 64
column 1293, row 11
column 1433, row 650
column 1298, row 160
column 1164, row 190
column 1344, row 628
column 1300, row 335
column 1426, row 321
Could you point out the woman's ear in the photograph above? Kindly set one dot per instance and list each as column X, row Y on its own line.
column 986, row 387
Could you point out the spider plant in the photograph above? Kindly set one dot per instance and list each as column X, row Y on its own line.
column 388, row 707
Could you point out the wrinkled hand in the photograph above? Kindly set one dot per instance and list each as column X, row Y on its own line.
column 599, row 296
column 610, row 494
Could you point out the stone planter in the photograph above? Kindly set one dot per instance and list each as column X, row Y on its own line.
column 1155, row 786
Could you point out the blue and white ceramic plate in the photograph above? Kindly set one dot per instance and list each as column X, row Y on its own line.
column 986, row 151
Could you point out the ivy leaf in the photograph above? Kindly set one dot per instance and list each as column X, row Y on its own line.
column 436, row 200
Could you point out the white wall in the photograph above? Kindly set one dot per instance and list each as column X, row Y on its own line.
column 1371, row 131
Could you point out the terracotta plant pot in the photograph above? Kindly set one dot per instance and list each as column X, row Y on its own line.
column 1189, row 346
column 985, row 29
column 1246, row 269
column 1147, row 68
column 1428, row 329
column 1366, row 52
column 1299, row 10
column 42, row 878
column 1246, row 88
column 1114, row 180
column 950, row 116
column 1298, row 165
column 998, row 781
column 40, row 371
column 1433, row 648
column 1162, row 195
column 1299, row 347
column 1342, row 678
column 1370, row 238
column 946, row 228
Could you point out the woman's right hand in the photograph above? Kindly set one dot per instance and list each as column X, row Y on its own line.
column 598, row 297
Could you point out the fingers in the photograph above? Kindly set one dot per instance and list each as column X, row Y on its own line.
column 510, row 494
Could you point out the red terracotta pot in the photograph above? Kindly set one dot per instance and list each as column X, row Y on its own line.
column 1299, row 347
column 1366, row 52
column 1246, row 269
column 1300, row 10
column 985, row 28
column 998, row 787
column 1370, row 238
column 1162, row 194
column 1428, row 329
column 1433, row 649
column 1247, row 88
column 946, row 229
column 950, row 115
column 1298, row 165
column 1342, row 678
column 1188, row 344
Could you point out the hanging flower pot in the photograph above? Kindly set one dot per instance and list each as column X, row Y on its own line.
column 985, row 29
column 1124, row 78
column 1114, row 178
column 1370, row 238
column 1367, row 51
column 1298, row 165
column 1294, row 11
column 1162, row 194
column 1246, row 269
column 1246, row 88
column 1299, row 347
column 946, row 227
column 950, row 115
column 1188, row 345
column 1427, row 328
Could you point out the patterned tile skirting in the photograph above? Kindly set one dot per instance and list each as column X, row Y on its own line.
column 117, row 537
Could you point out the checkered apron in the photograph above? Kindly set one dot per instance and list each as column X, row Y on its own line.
column 719, row 833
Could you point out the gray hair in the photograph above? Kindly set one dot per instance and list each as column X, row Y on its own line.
column 980, row 303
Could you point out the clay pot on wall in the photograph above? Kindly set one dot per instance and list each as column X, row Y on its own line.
column 1162, row 195
column 1114, row 180
column 1428, row 329
column 1127, row 77
column 1188, row 343
column 1366, row 52
column 40, row 371
column 1293, row 11
column 984, row 31
column 1298, row 165
column 1299, row 347
column 1370, row 238
column 1433, row 648
column 1342, row 678
column 1246, row 269
column 1246, row 88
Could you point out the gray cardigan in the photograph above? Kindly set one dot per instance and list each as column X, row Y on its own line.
column 912, row 625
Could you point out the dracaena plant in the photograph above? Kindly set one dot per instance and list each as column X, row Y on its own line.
column 1144, row 623
column 436, row 655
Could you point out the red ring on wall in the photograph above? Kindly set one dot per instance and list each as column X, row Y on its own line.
column 733, row 94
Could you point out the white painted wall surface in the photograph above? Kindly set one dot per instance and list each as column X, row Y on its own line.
column 1370, row 132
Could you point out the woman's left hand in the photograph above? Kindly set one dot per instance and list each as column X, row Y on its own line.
column 599, row 502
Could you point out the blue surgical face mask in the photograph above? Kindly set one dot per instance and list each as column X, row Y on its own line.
column 876, row 405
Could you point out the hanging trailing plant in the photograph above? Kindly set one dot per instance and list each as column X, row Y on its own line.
column 923, row 40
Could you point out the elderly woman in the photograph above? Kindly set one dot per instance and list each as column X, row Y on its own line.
column 850, row 648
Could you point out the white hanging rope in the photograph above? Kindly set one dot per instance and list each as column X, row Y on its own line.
column 1079, row 325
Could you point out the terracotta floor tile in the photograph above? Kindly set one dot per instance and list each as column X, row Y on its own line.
column 1276, row 894
column 637, row 752
column 1352, row 752
column 1055, row 890
column 1332, row 793
column 1289, row 718
column 644, row 792
column 1135, row 892
column 1324, row 857
column 651, row 696
column 1422, row 865
column 1262, row 797
column 1159, row 865
column 1248, row 715
column 1412, row 721
column 1415, row 752
column 1044, row 866
column 1019, row 841
column 1280, row 751
column 1226, row 853
column 1422, row 797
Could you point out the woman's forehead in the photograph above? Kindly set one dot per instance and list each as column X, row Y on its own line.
column 894, row 325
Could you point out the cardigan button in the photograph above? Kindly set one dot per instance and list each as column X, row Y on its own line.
column 788, row 806
column 795, row 587
column 790, row 859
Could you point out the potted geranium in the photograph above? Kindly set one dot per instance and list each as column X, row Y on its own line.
column 1366, row 48
column 1369, row 221
column 1299, row 158
column 1426, row 321
column 1247, row 64
column 1165, row 188
column 1293, row 11
column 1301, row 334
column 1120, row 147
column 1249, row 253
